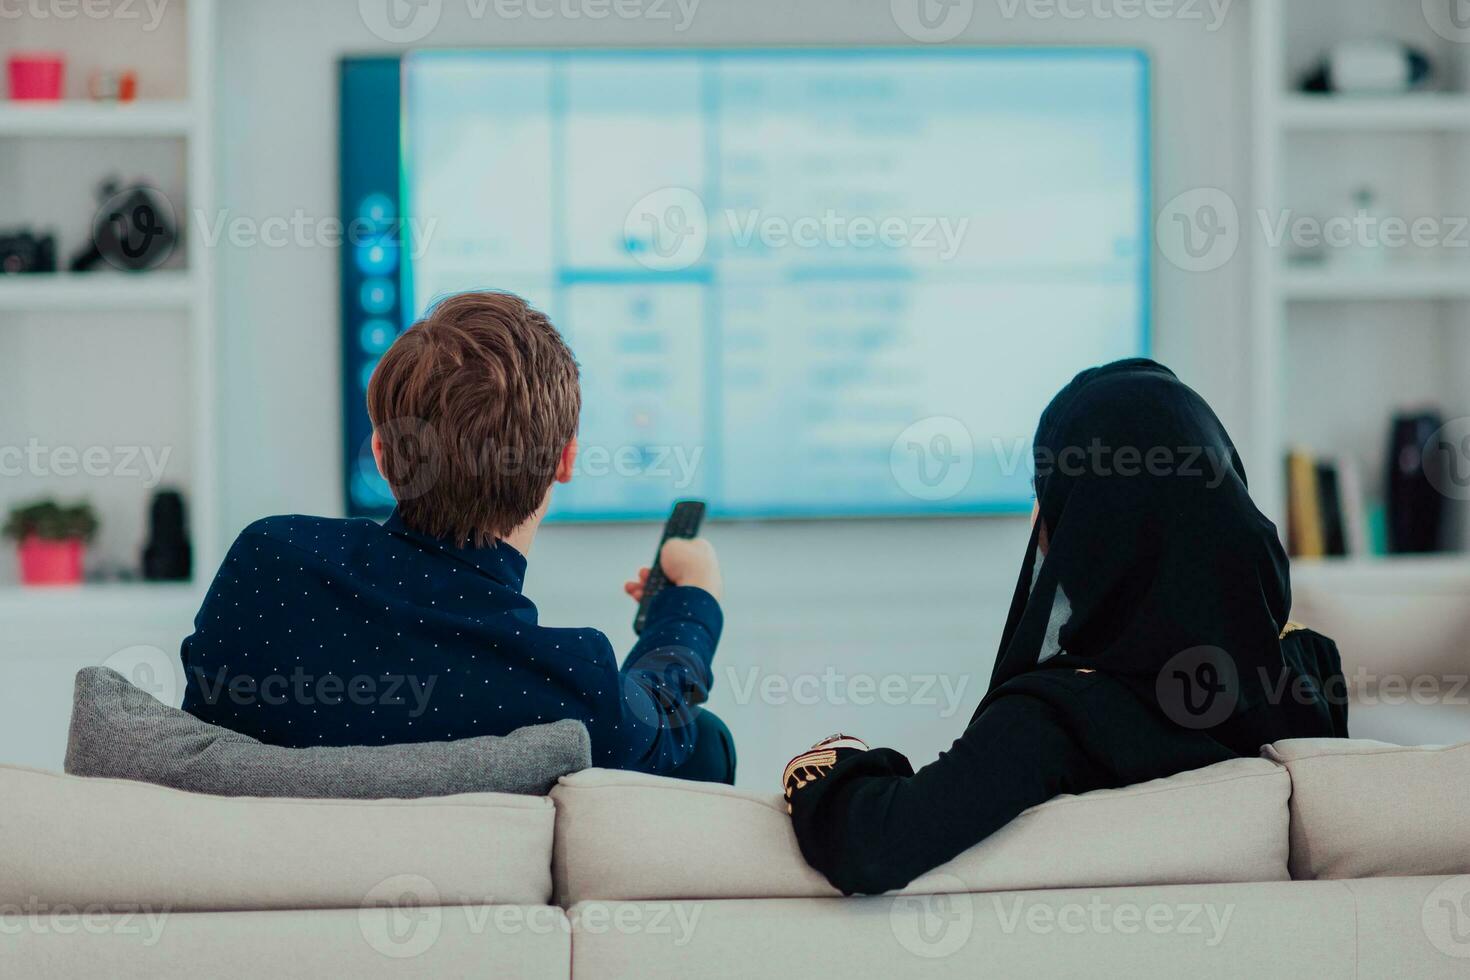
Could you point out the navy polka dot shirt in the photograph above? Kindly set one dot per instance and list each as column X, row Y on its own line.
column 347, row 632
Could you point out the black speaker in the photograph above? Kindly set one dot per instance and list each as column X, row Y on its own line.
column 1415, row 507
column 168, row 556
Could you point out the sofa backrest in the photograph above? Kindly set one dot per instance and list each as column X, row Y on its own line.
column 111, row 843
column 625, row 836
column 1363, row 809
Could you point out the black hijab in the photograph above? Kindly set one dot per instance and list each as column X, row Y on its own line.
column 1160, row 571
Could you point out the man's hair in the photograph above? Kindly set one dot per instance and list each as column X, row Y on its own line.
column 474, row 405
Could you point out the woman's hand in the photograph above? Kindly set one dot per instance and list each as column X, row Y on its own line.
column 816, row 762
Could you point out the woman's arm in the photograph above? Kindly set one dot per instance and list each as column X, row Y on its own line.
column 872, row 824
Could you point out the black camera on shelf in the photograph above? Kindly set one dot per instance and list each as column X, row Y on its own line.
column 23, row 250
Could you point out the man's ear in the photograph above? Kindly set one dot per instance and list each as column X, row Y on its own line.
column 567, row 461
column 378, row 453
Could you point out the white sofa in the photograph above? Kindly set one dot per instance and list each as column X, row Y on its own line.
column 1323, row 859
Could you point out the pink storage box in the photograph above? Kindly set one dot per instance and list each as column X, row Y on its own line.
column 36, row 76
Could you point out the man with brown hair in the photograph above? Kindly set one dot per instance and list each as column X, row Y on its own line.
column 346, row 632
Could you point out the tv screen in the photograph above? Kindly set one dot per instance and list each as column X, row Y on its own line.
column 798, row 282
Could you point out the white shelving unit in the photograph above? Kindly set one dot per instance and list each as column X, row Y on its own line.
column 152, row 306
column 138, row 119
column 1339, row 345
column 99, row 292
column 1416, row 112
column 1418, row 281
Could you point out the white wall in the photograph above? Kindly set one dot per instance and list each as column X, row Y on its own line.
column 876, row 598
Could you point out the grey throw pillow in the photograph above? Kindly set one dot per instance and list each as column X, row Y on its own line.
column 121, row 732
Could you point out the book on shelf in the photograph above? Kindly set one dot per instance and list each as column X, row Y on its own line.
column 1326, row 515
column 1352, row 506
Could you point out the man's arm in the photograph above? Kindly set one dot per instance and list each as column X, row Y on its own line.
column 668, row 672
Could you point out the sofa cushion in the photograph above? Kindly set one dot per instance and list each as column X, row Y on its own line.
column 1283, row 929
column 705, row 841
column 1361, row 809
column 122, row 732
column 1412, row 927
column 363, row 944
column 120, row 844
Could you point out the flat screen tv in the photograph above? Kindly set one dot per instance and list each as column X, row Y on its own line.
column 799, row 282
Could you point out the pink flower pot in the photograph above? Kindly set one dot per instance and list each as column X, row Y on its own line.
column 45, row 562
column 36, row 77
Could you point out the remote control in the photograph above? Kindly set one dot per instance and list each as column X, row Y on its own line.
column 683, row 522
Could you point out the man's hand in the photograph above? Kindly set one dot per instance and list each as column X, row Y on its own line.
column 685, row 561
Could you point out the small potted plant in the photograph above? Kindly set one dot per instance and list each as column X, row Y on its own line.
column 51, row 540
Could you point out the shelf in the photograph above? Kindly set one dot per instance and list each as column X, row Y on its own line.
column 96, row 603
column 101, row 291
column 1381, row 575
column 89, row 119
column 1425, row 112
column 1406, row 280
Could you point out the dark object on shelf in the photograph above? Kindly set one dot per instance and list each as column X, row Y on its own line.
column 1334, row 532
column 1415, row 507
column 134, row 229
column 24, row 250
column 168, row 556
column 1369, row 68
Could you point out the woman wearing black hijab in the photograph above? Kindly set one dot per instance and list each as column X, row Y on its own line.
column 1148, row 635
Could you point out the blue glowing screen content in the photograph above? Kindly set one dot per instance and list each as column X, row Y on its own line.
column 798, row 283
